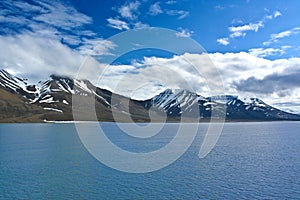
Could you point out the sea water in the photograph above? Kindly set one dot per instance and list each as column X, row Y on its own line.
column 254, row 160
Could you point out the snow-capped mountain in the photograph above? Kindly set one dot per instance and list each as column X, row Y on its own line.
column 18, row 85
column 175, row 104
column 53, row 96
column 59, row 89
column 254, row 108
column 52, row 100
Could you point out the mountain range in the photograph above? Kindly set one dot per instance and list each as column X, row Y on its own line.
column 51, row 100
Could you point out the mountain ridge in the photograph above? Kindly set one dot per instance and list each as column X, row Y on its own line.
column 51, row 100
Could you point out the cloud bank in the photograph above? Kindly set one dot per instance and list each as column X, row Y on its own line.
column 40, row 43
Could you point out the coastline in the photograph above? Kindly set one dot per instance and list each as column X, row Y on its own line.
column 141, row 122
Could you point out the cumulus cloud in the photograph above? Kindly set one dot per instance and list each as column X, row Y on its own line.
column 281, row 84
column 281, row 35
column 61, row 16
column 39, row 44
column 155, row 9
column 248, row 27
column 277, row 14
column 278, row 36
column 157, row 74
column 242, row 30
column 248, row 75
column 96, row 47
column 180, row 13
column 219, row 7
column 242, row 74
column 237, row 34
column 51, row 20
column 122, row 25
column 20, row 6
column 128, row 14
column 238, row 31
column 37, row 58
column 264, row 52
column 140, row 25
column 237, row 66
column 38, row 47
column 129, row 10
column 223, row 41
column 118, row 24
column 170, row 2
column 184, row 32
column 40, row 14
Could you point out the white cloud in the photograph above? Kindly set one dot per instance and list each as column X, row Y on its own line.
column 248, row 27
column 276, row 37
column 241, row 30
column 61, row 16
column 219, row 7
column 38, row 51
column 157, row 74
column 128, row 16
column 277, row 14
column 248, row 75
column 269, row 17
column 117, row 24
column 284, row 34
column 281, row 35
column 40, row 46
column 155, row 9
column 47, row 19
column 237, row 34
column 243, row 74
column 184, row 33
column 237, row 21
column 140, row 25
column 238, row 31
column 237, row 66
column 129, row 10
column 14, row 19
column 17, row 11
column 180, row 13
column 37, row 57
column 264, row 52
column 24, row 6
column 222, row 7
column 53, row 21
column 223, row 41
column 170, row 2
column 96, row 47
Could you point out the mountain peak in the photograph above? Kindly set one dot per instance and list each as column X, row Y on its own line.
column 55, row 95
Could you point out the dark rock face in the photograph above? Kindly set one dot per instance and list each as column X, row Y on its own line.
column 52, row 100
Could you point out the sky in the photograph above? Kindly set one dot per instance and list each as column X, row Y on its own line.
column 253, row 44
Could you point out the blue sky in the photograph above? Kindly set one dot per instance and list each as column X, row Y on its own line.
column 254, row 44
column 205, row 21
column 209, row 21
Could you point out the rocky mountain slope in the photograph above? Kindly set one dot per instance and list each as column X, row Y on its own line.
column 51, row 100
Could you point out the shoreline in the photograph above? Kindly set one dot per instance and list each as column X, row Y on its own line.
column 145, row 122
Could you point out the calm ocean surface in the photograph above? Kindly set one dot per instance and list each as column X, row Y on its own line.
column 250, row 161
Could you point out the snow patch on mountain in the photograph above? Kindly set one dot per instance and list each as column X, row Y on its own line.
column 56, row 94
column 53, row 109
column 18, row 85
